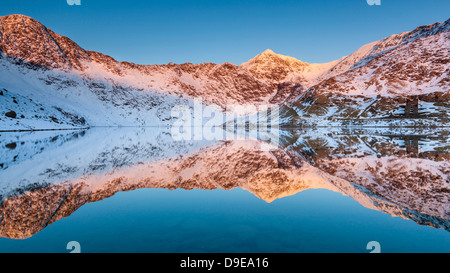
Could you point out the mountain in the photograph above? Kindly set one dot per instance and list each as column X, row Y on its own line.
column 47, row 81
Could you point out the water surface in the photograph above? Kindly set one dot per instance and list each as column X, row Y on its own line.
column 138, row 190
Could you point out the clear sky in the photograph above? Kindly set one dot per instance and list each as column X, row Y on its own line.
column 179, row 31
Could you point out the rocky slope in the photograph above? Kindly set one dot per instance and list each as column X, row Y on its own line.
column 415, row 67
column 372, row 50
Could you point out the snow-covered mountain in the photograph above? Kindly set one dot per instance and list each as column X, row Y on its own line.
column 47, row 81
column 430, row 40
column 372, row 50
column 402, row 80
column 411, row 63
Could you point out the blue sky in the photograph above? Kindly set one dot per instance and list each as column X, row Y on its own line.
column 179, row 31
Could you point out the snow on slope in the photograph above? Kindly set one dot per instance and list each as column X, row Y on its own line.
column 371, row 50
column 418, row 67
column 40, row 93
column 21, row 113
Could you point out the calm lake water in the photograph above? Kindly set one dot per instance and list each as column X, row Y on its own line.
column 138, row 190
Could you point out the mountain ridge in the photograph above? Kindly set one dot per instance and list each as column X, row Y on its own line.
column 55, row 67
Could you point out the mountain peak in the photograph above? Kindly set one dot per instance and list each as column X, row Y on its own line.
column 269, row 56
column 268, row 51
column 273, row 66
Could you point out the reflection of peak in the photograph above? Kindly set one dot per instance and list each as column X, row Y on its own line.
column 269, row 175
column 228, row 165
column 275, row 184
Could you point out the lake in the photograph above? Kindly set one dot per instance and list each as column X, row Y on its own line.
column 139, row 190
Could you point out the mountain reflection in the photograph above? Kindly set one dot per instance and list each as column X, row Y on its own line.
column 45, row 176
